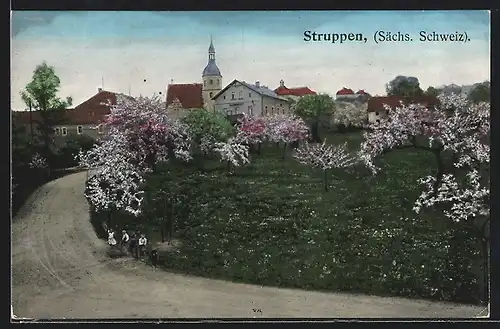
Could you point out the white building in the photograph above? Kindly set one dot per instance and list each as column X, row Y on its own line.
column 240, row 97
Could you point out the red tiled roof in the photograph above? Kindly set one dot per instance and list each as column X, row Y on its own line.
column 299, row 91
column 92, row 111
column 345, row 91
column 362, row 92
column 376, row 104
column 190, row 95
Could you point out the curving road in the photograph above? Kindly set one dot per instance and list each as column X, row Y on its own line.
column 59, row 270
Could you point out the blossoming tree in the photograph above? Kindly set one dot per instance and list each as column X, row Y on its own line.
column 325, row 156
column 251, row 131
column 347, row 114
column 285, row 129
column 458, row 128
column 151, row 134
column 138, row 136
column 233, row 152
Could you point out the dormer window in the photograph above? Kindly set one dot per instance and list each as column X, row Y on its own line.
column 211, row 81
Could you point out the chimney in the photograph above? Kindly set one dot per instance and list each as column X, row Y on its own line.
column 99, row 90
column 282, row 83
column 257, row 84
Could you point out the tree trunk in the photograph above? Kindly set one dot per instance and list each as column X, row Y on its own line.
column 169, row 228
column 284, row 151
column 485, row 243
column 228, row 166
column 162, row 232
column 110, row 219
column 315, row 132
column 325, row 175
column 439, row 170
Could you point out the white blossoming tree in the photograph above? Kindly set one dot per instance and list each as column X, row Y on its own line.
column 233, row 152
column 348, row 114
column 460, row 187
column 325, row 157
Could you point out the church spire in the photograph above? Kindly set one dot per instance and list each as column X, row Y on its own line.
column 211, row 69
column 211, row 50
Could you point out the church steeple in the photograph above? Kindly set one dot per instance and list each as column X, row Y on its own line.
column 211, row 69
column 211, row 50
column 212, row 78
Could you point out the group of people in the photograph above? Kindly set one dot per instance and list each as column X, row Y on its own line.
column 135, row 243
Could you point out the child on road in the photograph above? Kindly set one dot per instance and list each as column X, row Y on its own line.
column 111, row 238
column 142, row 245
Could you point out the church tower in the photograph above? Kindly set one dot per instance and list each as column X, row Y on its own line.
column 212, row 79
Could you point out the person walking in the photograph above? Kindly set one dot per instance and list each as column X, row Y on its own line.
column 111, row 238
column 125, row 239
column 142, row 245
column 132, row 246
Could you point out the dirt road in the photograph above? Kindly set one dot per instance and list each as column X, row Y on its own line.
column 59, row 270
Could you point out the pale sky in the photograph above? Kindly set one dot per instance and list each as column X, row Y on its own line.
column 143, row 51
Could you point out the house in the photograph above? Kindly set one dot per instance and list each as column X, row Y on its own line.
column 83, row 119
column 348, row 95
column 183, row 98
column 240, row 97
column 376, row 105
column 292, row 94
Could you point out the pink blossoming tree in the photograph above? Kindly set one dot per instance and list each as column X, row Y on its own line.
column 285, row 129
column 251, row 131
column 138, row 136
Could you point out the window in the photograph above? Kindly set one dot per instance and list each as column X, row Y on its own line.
column 205, row 83
column 265, row 110
column 217, row 82
column 376, row 113
column 57, row 131
column 64, row 131
column 232, row 95
column 91, row 113
column 211, row 82
column 283, row 111
column 79, row 130
column 377, row 121
column 211, row 94
column 250, row 110
column 281, row 105
column 240, row 95
column 225, row 110
column 236, row 110
column 272, row 110
column 249, row 95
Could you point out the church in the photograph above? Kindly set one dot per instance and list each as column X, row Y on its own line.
column 181, row 98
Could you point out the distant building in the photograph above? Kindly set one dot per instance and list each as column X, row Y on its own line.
column 377, row 111
column 83, row 119
column 182, row 98
column 348, row 95
column 240, row 97
column 293, row 94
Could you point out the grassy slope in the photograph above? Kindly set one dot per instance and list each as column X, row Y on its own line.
column 274, row 225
